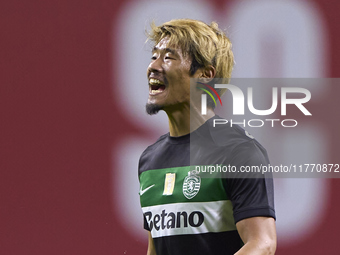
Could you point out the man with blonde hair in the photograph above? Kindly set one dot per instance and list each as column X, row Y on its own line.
column 184, row 212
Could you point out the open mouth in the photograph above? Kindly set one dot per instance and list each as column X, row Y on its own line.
column 156, row 86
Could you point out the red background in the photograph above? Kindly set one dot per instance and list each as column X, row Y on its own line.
column 59, row 119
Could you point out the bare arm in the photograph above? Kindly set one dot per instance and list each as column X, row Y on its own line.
column 151, row 246
column 258, row 235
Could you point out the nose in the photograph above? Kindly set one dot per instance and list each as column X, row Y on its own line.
column 155, row 66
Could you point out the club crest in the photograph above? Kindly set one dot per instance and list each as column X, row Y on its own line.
column 191, row 184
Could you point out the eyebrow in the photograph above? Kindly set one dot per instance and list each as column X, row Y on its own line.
column 172, row 51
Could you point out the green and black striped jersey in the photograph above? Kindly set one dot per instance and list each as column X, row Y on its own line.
column 189, row 211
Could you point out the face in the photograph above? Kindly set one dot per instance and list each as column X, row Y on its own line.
column 169, row 78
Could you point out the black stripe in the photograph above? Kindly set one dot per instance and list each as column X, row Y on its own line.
column 224, row 243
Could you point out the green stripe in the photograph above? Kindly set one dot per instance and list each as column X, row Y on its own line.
column 211, row 189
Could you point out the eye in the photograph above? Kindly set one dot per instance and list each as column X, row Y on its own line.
column 168, row 57
column 153, row 58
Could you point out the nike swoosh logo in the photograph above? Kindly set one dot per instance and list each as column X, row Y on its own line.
column 142, row 191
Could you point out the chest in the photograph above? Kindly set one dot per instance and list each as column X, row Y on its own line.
column 179, row 185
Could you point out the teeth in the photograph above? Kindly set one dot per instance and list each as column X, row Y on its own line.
column 155, row 82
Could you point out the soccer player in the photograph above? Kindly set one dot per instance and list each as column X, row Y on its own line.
column 184, row 212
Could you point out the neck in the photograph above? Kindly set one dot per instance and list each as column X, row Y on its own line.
column 185, row 119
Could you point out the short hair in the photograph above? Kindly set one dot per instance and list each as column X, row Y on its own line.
column 206, row 45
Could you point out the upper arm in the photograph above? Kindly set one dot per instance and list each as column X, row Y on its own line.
column 258, row 235
column 151, row 246
column 251, row 195
column 253, row 202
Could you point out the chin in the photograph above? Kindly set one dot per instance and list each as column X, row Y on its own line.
column 152, row 109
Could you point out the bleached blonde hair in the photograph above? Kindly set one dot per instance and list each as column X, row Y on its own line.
column 206, row 44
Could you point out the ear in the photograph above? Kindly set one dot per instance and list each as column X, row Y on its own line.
column 207, row 74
